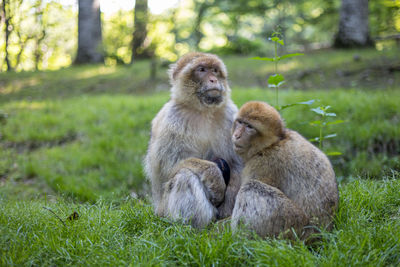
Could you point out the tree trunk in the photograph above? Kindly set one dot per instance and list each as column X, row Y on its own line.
column 7, row 31
column 89, row 33
column 140, row 32
column 353, row 25
column 197, row 34
column 39, row 39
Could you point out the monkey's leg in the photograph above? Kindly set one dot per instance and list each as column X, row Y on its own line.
column 267, row 211
column 210, row 175
column 185, row 199
column 225, row 209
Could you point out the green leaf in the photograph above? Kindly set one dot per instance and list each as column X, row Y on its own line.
column 330, row 114
column 315, row 139
column 335, row 122
column 263, row 58
column 277, row 40
column 291, row 55
column 287, row 106
column 318, row 110
column 315, row 123
column 330, row 136
column 309, row 102
column 334, row 153
column 276, row 80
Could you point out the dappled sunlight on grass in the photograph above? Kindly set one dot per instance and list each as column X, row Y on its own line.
column 31, row 105
column 283, row 66
column 17, row 85
column 93, row 72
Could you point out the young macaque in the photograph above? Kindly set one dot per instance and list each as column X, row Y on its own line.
column 288, row 185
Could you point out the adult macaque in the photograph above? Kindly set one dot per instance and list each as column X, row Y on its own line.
column 287, row 183
column 195, row 123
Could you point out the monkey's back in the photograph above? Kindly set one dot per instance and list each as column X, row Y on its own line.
column 301, row 171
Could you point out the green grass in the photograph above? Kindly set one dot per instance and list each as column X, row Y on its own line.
column 98, row 142
column 74, row 139
column 366, row 233
column 320, row 70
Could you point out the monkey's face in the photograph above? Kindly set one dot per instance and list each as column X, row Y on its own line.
column 242, row 135
column 210, row 89
column 257, row 126
column 199, row 80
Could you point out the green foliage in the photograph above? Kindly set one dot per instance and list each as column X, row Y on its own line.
column 117, row 37
column 41, row 35
column 322, row 123
column 276, row 80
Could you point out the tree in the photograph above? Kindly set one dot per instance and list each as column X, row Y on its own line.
column 89, row 33
column 353, row 25
column 40, row 37
column 139, row 50
column 200, row 9
column 6, row 17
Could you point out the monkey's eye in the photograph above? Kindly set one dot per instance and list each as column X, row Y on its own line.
column 215, row 70
column 249, row 126
column 201, row 69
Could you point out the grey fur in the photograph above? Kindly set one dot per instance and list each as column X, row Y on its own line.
column 187, row 128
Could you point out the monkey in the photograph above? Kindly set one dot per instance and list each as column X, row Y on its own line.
column 194, row 124
column 287, row 183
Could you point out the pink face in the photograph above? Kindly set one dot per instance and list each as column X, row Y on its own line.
column 210, row 79
column 242, row 134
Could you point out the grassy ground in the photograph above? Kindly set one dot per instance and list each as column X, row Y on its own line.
column 366, row 233
column 74, row 139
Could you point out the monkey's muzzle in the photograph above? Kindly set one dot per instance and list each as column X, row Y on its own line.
column 213, row 93
column 212, row 96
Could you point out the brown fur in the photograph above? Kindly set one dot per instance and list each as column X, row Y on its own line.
column 184, row 128
column 291, row 165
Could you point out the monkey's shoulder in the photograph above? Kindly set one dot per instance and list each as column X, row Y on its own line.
column 292, row 154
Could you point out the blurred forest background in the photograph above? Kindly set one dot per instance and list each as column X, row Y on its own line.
column 49, row 34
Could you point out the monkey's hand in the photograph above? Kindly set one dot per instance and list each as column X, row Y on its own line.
column 211, row 176
column 225, row 169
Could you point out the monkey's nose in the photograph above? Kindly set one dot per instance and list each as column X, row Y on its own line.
column 213, row 80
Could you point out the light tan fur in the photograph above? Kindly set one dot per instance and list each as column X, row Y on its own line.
column 280, row 160
column 187, row 127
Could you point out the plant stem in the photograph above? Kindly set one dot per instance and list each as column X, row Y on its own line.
column 320, row 137
column 276, row 73
column 276, row 58
column 320, row 131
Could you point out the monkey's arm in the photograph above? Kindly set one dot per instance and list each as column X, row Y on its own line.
column 211, row 176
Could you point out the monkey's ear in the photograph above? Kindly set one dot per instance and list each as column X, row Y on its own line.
column 172, row 72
